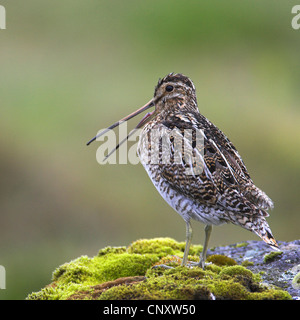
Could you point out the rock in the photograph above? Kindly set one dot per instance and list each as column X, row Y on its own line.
column 239, row 272
column 276, row 268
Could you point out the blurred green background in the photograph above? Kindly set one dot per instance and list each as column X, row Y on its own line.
column 69, row 68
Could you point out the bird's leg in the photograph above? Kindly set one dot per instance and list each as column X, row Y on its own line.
column 207, row 229
column 189, row 233
column 186, row 250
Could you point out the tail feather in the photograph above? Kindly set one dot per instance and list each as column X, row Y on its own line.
column 258, row 225
column 270, row 240
column 257, row 197
column 264, row 232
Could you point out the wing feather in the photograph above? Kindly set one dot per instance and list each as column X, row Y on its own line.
column 212, row 172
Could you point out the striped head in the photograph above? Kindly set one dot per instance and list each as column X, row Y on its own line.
column 175, row 90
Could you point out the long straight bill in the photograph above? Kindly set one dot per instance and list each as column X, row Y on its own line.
column 133, row 114
column 146, row 118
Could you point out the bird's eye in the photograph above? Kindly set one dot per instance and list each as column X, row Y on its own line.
column 169, row 88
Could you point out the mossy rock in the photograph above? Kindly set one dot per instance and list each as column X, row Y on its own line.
column 162, row 247
column 120, row 273
column 221, row 260
column 296, row 281
column 273, row 255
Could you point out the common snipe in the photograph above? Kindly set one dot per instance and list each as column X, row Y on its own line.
column 215, row 190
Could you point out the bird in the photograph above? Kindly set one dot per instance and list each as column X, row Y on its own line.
column 194, row 166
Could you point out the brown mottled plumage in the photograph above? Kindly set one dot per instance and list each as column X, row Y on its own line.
column 218, row 189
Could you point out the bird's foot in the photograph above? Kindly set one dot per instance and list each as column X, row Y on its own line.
column 201, row 264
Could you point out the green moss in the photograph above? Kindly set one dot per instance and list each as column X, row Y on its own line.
column 221, row 260
column 168, row 286
column 83, row 272
column 162, row 247
column 271, row 294
column 296, row 281
column 242, row 244
column 127, row 273
column 229, row 290
column 235, row 270
column 272, row 256
column 247, row 263
column 234, row 283
column 107, row 250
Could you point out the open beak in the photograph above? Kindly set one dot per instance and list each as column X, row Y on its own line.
column 144, row 120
